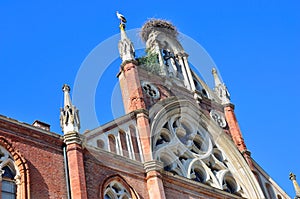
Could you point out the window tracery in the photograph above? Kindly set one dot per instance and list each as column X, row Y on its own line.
column 218, row 118
column 150, row 90
column 10, row 176
column 116, row 190
column 186, row 149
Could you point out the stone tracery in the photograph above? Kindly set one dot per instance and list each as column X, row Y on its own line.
column 186, row 149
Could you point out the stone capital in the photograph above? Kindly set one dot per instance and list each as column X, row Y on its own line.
column 229, row 105
column 133, row 62
column 72, row 137
column 141, row 112
column 246, row 152
column 153, row 165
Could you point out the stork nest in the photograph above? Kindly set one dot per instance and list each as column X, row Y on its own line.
column 160, row 25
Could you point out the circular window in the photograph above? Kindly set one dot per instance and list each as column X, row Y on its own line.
column 151, row 90
column 218, row 118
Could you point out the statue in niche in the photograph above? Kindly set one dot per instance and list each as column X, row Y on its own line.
column 69, row 115
column 172, row 63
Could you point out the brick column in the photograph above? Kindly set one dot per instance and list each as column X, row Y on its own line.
column 236, row 134
column 133, row 100
column 130, row 84
column 154, row 182
column 75, row 165
column 143, row 126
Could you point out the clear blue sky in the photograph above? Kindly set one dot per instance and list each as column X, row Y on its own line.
column 254, row 44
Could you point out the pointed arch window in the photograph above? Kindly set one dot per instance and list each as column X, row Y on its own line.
column 124, row 147
column 116, row 187
column 135, row 144
column 112, row 143
column 9, row 187
column 116, row 190
column 270, row 191
column 10, row 178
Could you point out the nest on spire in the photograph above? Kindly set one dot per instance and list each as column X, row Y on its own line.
column 158, row 25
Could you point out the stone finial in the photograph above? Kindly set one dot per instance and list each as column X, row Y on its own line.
column 126, row 49
column 69, row 114
column 220, row 88
column 296, row 186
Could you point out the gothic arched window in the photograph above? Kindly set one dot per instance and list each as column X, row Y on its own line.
column 124, row 147
column 112, row 143
column 115, row 190
column 135, row 144
column 100, row 144
column 270, row 191
column 8, row 189
column 10, row 177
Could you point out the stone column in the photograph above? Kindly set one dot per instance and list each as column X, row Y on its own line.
column 184, row 72
column 154, row 180
column 189, row 73
column 76, row 166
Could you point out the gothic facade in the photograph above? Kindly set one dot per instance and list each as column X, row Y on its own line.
column 178, row 138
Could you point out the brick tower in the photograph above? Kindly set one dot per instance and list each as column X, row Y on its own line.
column 175, row 111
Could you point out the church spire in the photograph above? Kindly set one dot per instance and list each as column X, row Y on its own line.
column 69, row 114
column 220, row 88
column 125, row 46
column 296, row 186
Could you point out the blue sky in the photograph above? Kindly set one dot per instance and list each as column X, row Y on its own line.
column 254, row 44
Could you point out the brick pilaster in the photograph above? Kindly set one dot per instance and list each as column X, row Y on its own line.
column 75, row 165
column 154, row 182
column 236, row 134
column 143, row 126
column 133, row 100
column 130, row 84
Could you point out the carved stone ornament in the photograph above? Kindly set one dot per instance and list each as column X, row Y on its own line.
column 151, row 90
column 218, row 118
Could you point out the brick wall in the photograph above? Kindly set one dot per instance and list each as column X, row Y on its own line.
column 43, row 154
column 100, row 165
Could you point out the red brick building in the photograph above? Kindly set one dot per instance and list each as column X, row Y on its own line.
column 177, row 139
